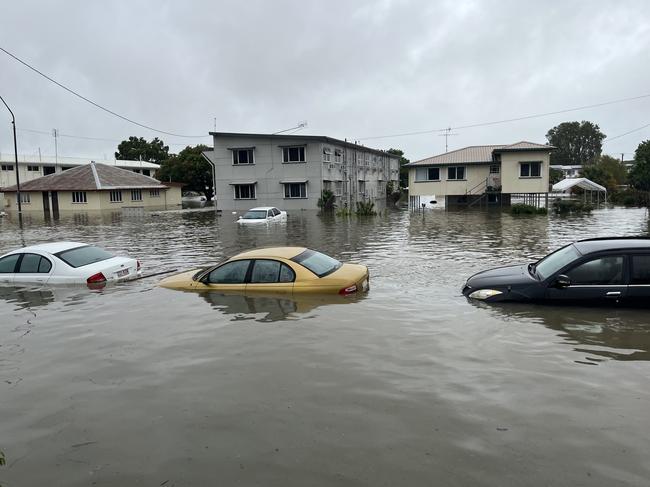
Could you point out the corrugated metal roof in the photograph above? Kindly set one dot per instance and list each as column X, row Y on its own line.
column 477, row 154
column 89, row 177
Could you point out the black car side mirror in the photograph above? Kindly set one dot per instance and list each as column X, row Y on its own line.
column 562, row 281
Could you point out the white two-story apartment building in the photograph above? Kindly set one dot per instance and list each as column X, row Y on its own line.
column 487, row 174
column 292, row 171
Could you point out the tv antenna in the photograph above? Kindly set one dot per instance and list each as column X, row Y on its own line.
column 446, row 136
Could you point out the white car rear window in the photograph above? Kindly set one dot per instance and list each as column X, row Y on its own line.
column 82, row 256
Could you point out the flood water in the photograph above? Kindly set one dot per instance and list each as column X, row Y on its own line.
column 411, row 385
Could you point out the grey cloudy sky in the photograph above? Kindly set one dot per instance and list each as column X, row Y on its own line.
column 352, row 69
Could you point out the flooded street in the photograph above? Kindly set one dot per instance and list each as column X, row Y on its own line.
column 409, row 385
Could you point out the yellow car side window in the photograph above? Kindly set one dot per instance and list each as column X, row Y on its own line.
column 230, row 273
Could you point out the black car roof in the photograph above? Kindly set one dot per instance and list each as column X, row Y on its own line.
column 612, row 243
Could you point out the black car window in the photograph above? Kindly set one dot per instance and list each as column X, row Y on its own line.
column 31, row 264
column 640, row 269
column 8, row 264
column 552, row 263
column 603, row 271
column 270, row 271
column 269, row 213
column 319, row 264
column 276, row 212
column 44, row 266
column 230, row 273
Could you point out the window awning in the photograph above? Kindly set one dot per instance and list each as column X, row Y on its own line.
column 241, row 148
column 584, row 183
column 238, row 183
column 293, row 181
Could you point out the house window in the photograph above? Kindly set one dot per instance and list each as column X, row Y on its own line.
column 115, row 196
column 136, row 195
column 427, row 174
column 79, row 197
column 495, row 169
column 146, row 172
column 25, row 198
column 456, row 173
column 244, row 191
column 293, row 154
column 530, row 169
column 154, row 193
column 242, row 156
column 33, row 169
column 65, row 168
column 327, row 154
column 338, row 155
column 295, row 190
column 7, row 167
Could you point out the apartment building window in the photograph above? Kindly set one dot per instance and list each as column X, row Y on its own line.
column 327, row 185
column 495, row 169
column 242, row 156
column 293, row 154
column 295, row 190
column 327, row 154
column 25, row 198
column 7, row 167
column 530, row 169
column 115, row 196
column 338, row 155
column 456, row 173
column 244, row 191
column 33, row 169
column 79, row 197
column 427, row 174
column 136, row 195
column 338, row 188
column 154, row 193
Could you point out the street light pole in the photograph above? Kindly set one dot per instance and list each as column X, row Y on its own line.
column 13, row 123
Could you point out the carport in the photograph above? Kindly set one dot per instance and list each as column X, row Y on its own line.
column 590, row 188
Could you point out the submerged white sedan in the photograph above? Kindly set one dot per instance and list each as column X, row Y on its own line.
column 66, row 263
column 263, row 214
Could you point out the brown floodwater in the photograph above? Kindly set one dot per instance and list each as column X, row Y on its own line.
column 410, row 385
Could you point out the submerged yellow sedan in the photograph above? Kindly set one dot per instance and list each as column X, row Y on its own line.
column 278, row 270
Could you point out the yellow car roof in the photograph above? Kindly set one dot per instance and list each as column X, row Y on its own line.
column 281, row 252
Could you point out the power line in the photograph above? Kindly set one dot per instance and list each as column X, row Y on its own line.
column 97, row 105
column 82, row 137
column 608, row 139
column 508, row 120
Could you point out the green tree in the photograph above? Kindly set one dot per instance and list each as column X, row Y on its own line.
column 403, row 171
column 577, row 143
column 555, row 176
column 191, row 168
column 639, row 176
column 138, row 149
column 606, row 171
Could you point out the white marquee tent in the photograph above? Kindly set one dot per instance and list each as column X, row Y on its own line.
column 587, row 185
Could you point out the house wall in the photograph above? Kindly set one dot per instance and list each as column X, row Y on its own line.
column 512, row 182
column 341, row 177
column 475, row 174
column 99, row 200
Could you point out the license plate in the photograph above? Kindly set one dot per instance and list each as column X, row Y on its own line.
column 122, row 273
column 365, row 285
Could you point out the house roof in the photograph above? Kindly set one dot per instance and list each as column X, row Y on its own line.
column 291, row 140
column 478, row 154
column 89, row 177
column 23, row 159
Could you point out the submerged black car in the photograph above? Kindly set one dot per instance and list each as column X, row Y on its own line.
column 594, row 271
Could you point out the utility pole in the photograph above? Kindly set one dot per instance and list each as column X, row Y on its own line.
column 446, row 136
column 55, row 134
column 13, row 123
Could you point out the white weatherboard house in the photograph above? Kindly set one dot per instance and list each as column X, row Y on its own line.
column 290, row 171
column 481, row 175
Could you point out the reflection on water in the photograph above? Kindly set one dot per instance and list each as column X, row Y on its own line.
column 139, row 385
column 270, row 307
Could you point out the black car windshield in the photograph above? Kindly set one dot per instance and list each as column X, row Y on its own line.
column 319, row 264
column 552, row 263
column 255, row 215
column 81, row 256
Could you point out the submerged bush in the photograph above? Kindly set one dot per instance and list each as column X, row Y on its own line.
column 572, row 206
column 326, row 201
column 523, row 209
column 365, row 208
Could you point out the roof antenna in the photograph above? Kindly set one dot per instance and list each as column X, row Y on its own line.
column 446, row 136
